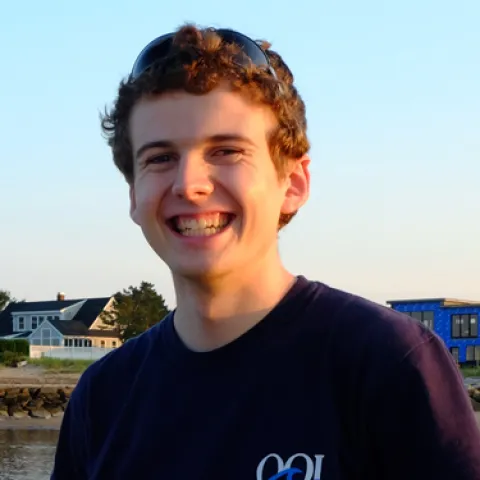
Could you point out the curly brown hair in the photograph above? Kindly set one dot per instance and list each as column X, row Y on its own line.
column 200, row 61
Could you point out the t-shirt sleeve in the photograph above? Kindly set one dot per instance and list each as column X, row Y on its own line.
column 71, row 453
column 422, row 422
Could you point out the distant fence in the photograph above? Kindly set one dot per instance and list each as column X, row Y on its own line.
column 76, row 353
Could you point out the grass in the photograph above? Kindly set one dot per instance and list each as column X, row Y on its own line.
column 58, row 365
column 470, row 371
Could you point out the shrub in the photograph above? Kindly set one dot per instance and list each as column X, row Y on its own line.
column 17, row 345
column 10, row 359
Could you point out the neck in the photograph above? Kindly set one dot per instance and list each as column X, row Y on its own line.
column 212, row 314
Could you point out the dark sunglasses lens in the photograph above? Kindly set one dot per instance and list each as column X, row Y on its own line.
column 249, row 47
column 154, row 51
column 160, row 47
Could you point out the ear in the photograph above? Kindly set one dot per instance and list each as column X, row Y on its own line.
column 298, row 185
column 133, row 204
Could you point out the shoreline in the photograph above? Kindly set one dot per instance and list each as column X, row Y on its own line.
column 30, row 423
column 54, row 423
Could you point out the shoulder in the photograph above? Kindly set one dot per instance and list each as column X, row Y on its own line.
column 364, row 336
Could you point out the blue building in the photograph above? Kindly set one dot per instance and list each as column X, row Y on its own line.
column 455, row 321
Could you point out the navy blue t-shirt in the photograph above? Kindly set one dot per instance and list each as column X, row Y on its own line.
column 328, row 386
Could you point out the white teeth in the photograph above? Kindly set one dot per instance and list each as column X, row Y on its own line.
column 203, row 226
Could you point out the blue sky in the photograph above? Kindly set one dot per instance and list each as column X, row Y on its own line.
column 394, row 120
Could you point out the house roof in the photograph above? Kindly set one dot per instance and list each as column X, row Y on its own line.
column 444, row 302
column 47, row 306
column 79, row 325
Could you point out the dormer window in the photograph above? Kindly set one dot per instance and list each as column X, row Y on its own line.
column 21, row 323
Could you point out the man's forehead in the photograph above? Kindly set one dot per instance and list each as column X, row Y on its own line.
column 181, row 117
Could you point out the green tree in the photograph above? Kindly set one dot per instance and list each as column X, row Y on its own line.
column 5, row 299
column 135, row 310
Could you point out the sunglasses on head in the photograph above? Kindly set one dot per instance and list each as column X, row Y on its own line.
column 159, row 48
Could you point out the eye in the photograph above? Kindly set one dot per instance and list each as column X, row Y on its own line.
column 227, row 152
column 159, row 158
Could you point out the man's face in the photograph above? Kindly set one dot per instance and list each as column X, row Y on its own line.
column 206, row 192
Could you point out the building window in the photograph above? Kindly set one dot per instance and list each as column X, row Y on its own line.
column 114, row 344
column 102, row 344
column 40, row 320
column 425, row 317
column 89, row 343
column 34, row 323
column 455, row 353
column 46, row 336
column 21, row 323
column 473, row 353
column 56, row 317
column 465, row 325
column 470, row 355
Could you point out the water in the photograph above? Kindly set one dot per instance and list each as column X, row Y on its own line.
column 27, row 454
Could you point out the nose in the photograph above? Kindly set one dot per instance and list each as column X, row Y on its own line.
column 192, row 181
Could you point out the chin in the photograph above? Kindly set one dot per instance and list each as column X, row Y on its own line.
column 200, row 271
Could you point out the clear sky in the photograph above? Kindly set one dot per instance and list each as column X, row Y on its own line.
column 393, row 103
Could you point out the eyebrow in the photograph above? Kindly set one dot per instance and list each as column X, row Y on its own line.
column 226, row 137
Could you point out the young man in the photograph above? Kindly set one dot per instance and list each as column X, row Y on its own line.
column 258, row 374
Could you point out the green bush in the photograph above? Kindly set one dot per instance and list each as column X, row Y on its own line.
column 16, row 345
column 10, row 359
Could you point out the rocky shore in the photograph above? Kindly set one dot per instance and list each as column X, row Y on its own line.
column 41, row 403
column 474, row 393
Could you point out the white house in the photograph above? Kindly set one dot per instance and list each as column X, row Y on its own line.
column 61, row 328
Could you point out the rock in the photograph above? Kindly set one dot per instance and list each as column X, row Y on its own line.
column 65, row 393
column 475, row 405
column 34, row 392
column 10, row 398
column 476, row 395
column 40, row 413
column 56, row 411
column 35, row 404
column 20, row 414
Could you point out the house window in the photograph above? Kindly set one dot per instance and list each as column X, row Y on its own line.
column 21, row 323
column 65, row 342
column 46, row 336
column 465, row 325
column 89, row 343
column 56, row 317
column 114, row 344
column 455, row 353
column 102, row 344
column 470, row 353
column 49, row 317
column 34, row 323
column 40, row 319
column 425, row 317
column 473, row 353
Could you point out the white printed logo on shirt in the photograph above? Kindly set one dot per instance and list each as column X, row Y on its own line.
column 312, row 468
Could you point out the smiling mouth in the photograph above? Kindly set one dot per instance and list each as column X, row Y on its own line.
column 201, row 226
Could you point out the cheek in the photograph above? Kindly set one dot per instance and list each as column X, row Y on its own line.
column 148, row 195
